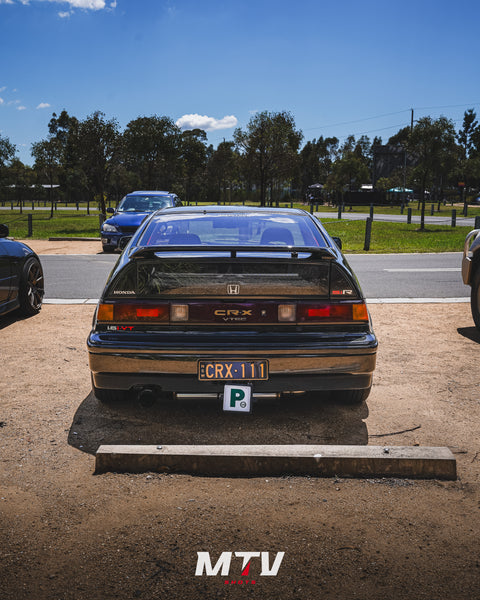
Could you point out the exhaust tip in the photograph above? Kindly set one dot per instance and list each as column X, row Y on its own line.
column 146, row 397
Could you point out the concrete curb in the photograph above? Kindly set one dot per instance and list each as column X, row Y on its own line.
column 276, row 460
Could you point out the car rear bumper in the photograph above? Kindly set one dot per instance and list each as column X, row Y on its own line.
column 326, row 366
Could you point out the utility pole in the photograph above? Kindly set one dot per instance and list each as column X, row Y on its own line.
column 411, row 121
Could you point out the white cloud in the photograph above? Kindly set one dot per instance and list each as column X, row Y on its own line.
column 2, row 100
column 43, row 105
column 2, row 89
column 21, row 108
column 196, row 121
column 64, row 15
column 85, row 4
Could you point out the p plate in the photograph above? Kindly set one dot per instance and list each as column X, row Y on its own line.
column 237, row 398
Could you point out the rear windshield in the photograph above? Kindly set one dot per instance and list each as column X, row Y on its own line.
column 143, row 203
column 216, row 278
column 235, row 229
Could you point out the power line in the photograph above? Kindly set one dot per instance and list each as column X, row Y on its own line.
column 389, row 115
column 358, row 120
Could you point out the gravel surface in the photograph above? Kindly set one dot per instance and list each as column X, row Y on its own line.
column 67, row 534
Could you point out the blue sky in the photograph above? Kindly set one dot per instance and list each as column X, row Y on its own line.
column 344, row 67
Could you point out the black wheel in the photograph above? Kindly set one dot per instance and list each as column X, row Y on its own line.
column 108, row 249
column 475, row 297
column 351, row 396
column 32, row 288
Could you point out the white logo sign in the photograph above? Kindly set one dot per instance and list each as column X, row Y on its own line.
column 223, row 564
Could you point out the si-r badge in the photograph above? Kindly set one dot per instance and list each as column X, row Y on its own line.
column 233, row 289
column 237, row 398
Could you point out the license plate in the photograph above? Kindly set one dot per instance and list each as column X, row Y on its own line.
column 219, row 370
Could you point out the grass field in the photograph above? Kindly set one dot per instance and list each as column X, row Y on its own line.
column 386, row 237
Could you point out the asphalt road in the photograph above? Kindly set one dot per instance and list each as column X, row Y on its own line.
column 382, row 276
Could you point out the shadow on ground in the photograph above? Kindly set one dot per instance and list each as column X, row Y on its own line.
column 304, row 420
column 470, row 333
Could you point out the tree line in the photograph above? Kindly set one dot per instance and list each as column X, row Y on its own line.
column 92, row 159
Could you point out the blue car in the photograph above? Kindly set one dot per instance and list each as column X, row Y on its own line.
column 131, row 211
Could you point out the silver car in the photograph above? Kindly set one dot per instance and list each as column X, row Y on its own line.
column 471, row 271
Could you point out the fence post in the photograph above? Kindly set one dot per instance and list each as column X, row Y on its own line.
column 368, row 234
column 339, row 211
column 409, row 216
column 402, row 208
column 371, row 211
column 432, row 209
column 477, row 222
column 454, row 217
column 30, row 225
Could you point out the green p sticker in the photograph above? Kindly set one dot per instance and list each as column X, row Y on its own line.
column 237, row 398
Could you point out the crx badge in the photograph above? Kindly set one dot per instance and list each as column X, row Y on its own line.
column 233, row 289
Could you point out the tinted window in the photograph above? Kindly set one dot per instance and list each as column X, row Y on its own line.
column 144, row 203
column 211, row 278
column 236, row 229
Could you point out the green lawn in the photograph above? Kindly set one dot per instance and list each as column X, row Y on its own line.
column 386, row 237
column 397, row 237
column 63, row 224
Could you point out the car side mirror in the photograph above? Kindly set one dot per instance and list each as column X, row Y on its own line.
column 4, row 231
column 110, row 210
column 338, row 241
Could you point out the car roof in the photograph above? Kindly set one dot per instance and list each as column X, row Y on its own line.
column 233, row 209
column 150, row 193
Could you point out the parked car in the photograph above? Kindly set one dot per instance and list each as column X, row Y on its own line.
column 130, row 212
column 204, row 299
column 471, row 272
column 21, row 277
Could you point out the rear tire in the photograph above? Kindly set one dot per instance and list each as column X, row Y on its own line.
column 352, row 396
column 475, row 297
column 31, row 288
column 108, row 249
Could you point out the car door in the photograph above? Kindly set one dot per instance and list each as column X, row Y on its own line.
column 5, row 271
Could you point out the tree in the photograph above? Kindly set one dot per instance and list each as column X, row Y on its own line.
column 223, row 169
column 7, row 152
column 351, row 169
column 469, row 141
column 47, row 155
column 316, row 161
column 152, row 149
column 22, row 177
column 194, row 156
column 72, row 180
column 433, row 144
column 270, row 146
column 97, row 140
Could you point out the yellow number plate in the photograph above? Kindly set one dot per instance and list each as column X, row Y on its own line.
column 216, row 370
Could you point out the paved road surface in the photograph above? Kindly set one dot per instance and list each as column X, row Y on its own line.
column 382, row 276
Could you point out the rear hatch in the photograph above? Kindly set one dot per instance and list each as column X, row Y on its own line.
column 232, row 288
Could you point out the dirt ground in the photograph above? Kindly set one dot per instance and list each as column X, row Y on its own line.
column 68, row 534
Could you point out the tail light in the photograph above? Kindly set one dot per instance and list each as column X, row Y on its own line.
column 300, row 312
column 332, row 313
column 158, row 313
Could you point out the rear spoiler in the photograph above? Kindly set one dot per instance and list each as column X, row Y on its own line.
column 294, row 251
